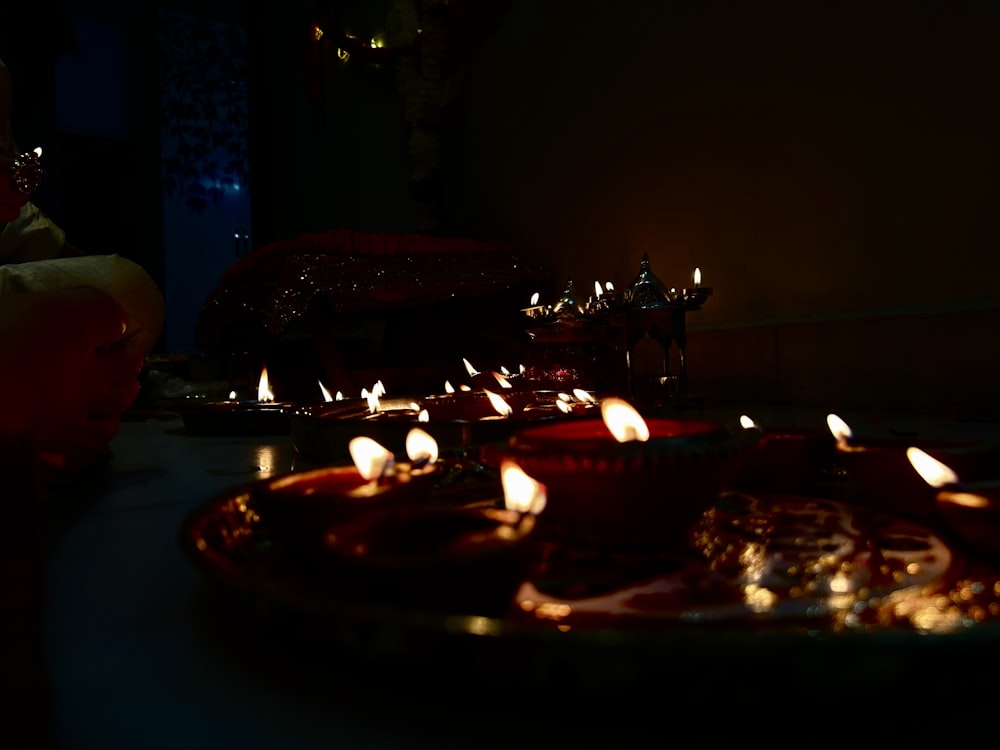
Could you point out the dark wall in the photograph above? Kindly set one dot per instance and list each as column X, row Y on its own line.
column 821, row 163
column 826, row 167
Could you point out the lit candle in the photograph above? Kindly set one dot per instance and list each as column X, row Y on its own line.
column 622, row 479
column 882, row 474
column 521, row 493
column 263, row 416
column 695, row 297
column 972, row 509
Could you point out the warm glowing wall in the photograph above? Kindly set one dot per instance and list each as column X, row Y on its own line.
column 834, row 175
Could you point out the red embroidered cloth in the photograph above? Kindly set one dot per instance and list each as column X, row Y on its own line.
column 356, row 272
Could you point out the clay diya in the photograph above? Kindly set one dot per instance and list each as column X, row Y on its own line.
column 883, row 476
column 461, row 559
column 300, row 505
column 458, row 418
column 785, row 460
column 265, row 416
column 971, row 510
column 624, row 480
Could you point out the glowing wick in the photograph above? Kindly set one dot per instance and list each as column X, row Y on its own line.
column 623, row 421
column 502, row 407
column 839, row 428
column 324, row 391
column 932, row 471
column 264, row 394
column 521, row 493
column 370, row 458
column 421, row 447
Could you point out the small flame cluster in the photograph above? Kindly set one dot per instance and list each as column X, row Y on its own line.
column 375, row 462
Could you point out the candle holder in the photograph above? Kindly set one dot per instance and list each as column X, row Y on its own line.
column 538, row 313
column 653, row 319
column 467, row 559
column 582, row 353
column 296, row 507
column 972, row 512
column 322, row 432
column 693, row 299
column 237, row 418
column 636, row 493
column 884, row 478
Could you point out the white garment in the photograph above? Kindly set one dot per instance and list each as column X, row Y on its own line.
column 121, row 279
column 31, row 236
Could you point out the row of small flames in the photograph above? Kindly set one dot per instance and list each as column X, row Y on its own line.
column 524, row 494
column 373, row 396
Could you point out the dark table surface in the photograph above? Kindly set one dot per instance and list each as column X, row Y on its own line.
column 141, row 653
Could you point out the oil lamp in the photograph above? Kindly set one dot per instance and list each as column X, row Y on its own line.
column 300, row 505
column 883, row 476
column 575, row 348
column 622, row 479
column 263, row 416
column 652, row 321
column 970, row 509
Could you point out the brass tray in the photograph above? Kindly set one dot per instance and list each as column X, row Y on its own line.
column 781, row 590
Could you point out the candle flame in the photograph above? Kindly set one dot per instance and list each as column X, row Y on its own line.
column 564, row 397
column 324, row 391
column 839, row 428
column 415, row 406
column 504, row 371
column 373, row 402
column 502, row 407
column 264, row 394
column 563, row 406
column 339, row 396
column 932, row 471
column 697, row 277
column 469, row 368
column 584, row 396
column 464, row 387
column 370, row 458
column 448, row 387
column 746, row 422
column 624, row 422
column 521, row 493
column 420, row 446
column 38, row 151
column 501, row 380
column 609, row 286
column 378, row 389
column 424, row 416
column 597, row 289
column 523, row 369
column 534, row 299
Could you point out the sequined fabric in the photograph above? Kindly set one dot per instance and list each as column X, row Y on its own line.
column 353, row 272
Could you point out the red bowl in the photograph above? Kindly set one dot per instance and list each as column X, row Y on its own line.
column 632, row 493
